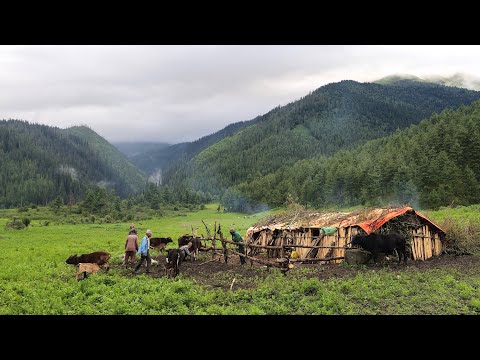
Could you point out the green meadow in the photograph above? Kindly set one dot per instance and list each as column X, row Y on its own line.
column 34, row 280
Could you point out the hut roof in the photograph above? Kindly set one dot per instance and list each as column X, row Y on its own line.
column 368, row 219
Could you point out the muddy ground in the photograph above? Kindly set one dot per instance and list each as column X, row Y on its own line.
column 217, row 274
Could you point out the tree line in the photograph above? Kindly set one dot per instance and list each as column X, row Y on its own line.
column 432, row 164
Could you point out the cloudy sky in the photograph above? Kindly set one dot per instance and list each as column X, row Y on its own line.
column 180, row 93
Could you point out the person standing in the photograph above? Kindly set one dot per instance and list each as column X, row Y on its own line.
column 144, row 251
column 238, row 239
column 131, row 246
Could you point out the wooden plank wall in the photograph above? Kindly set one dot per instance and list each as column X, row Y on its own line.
column 425, row 243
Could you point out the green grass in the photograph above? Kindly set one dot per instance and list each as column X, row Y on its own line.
column 35, row 280
column 461, row 214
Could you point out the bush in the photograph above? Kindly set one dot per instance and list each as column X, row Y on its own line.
column 15, row 224
column 461, row 238
column 26, row 222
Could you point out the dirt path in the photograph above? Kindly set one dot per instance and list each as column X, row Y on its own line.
column 217, row 274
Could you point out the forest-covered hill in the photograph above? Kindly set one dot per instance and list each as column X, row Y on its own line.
column 39, row 163
column 432, row 164
column 335, row 117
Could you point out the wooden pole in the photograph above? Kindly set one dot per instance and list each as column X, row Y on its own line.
column 261, row 261
column 224, row 245
column 214, row 240
column 286, row 246
column 233, row 282
column 317, row 259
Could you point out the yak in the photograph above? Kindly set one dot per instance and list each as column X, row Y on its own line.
column 383, row 243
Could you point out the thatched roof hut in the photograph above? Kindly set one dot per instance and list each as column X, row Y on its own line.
column 334, row 230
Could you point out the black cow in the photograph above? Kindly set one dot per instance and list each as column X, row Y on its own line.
column 159, row 243
column 98, row 257
column 173, row 261
column 383, row 243
column 196, row 244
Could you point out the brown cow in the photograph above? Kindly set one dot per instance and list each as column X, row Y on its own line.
column 159, row 243
column 98, row 257
column 84, row 268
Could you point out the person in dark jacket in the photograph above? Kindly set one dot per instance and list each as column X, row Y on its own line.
column 238, row 239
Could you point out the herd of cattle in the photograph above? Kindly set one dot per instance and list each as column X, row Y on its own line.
column 93, row 262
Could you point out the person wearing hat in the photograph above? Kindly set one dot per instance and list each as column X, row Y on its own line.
column 131, row 246
column 241, row 248
column 143, row 250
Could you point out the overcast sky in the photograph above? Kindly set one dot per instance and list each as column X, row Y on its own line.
column 180, row 93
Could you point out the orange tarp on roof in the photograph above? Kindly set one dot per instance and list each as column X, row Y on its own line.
column 371, row 225
column 376, row 218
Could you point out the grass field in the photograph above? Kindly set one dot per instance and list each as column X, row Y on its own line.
column 35, row 280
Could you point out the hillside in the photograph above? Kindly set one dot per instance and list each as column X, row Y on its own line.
column 432, row 164
column 335, row 117
column 39, row 162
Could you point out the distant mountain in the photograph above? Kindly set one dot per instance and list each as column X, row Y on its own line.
column 158, row 160
column 335, row 117
column 131, row 149
column 40, row 162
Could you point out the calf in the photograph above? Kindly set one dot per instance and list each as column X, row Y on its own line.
column 173, row 261
column 159, row 243
column 84, row 268
column 196, row 244
column 383, row 243
column 98, row 257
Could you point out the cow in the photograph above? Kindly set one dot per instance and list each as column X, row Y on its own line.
column 196, row 244
column 84, row 268
column 383, row 243
column 159, row 243
column 98, row 257
column 173, row 261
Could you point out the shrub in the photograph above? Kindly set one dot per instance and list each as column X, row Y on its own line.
column 26, row 222
column 461, row 238
column 15, row 224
